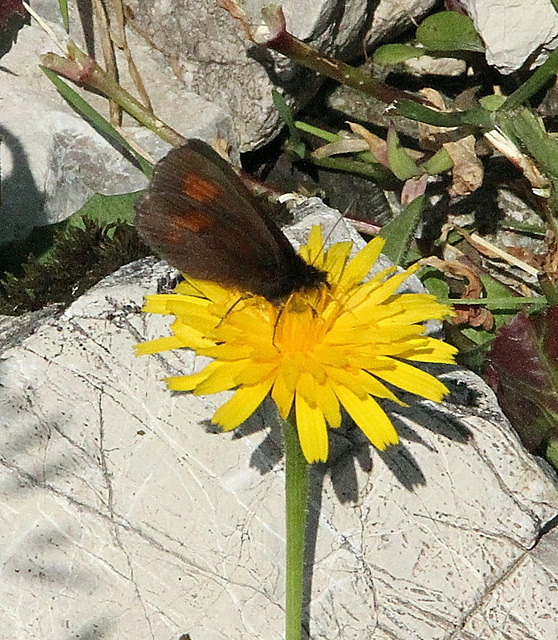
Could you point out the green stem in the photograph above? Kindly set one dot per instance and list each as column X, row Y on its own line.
column 495, row 303
column 375, row 171
column 536, row 81
column 475, row 118
column 316, row 131
column 551, row 452
column 296, row 493
column 83, row 70
column 277, row 37
column 548, row 289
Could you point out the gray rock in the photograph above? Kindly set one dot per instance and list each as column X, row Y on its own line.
column 392, row 17
column 217, row 61
column 53, row 161
column 205, row 80
column 124, row 517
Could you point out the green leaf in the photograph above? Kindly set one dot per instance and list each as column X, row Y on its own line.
column 441, row 161
column 323, row 134
column 295, row 144
column 78, row 103
column 492, row 102
column 449, row 31
column 502, row 299
column 536, row 81
column 551, row 453
column 434, row 281
column 399, row 232
column 372, row 170
column 498, row 304
column 402, row 165
column 524, row 126
column 63, row 4
column 415, row 111
column 396, row 53
column 106, row 210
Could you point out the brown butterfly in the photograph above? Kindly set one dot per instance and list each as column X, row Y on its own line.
column 200, row 216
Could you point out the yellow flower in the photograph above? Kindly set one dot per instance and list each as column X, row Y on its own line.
column 320, row 350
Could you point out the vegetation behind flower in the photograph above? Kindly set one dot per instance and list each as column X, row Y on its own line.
column 321, row 349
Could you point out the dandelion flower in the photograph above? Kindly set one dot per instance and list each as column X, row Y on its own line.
column 320, row 350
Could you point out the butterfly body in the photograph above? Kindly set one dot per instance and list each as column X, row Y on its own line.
column 201, row 217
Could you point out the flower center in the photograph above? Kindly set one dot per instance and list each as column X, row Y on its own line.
column 301, row 323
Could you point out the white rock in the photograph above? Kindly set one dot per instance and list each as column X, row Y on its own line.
column 515, row 31
column 123, row 517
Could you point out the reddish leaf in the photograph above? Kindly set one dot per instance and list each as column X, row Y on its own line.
column 523, row 371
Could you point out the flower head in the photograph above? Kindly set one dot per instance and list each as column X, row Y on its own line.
column 322, row 349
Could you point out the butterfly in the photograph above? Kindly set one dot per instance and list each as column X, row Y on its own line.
column 199, row 215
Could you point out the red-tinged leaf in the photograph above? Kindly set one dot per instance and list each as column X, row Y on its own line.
column 9, row 8
column 523, row 371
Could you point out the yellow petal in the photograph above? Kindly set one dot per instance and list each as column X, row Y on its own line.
column 413, row 379
column 375, row 388
column 155, row 346
column 253, row 371
column 284, row 386
column 335, row 260
column 220, row 376
column 359, row 267
column 242, row 405
column 315, row 244
column 422, row 306
column 328, row 404
column 282, row 394
column 210, row 290
column 435, row 351
column 186, row 383
column 312, row 431
column 306, row 387
column 229, row 351
column 388, row 288
column 370, row 417
column 189, row 336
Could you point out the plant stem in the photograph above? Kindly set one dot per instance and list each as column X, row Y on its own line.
column 83, row 70
column 296, row 494
column 275, row 36
column 375, row 171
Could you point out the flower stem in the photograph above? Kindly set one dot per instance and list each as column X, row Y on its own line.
column 296, row 493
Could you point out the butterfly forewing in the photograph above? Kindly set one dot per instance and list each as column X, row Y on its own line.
column 199, row 215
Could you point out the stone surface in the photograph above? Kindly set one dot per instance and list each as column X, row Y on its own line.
column 511, row 35
column 212, row 54
column 392, row 17
column 52, row 159
column 124, row 516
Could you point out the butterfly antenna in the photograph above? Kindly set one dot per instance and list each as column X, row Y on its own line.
column 341, row 217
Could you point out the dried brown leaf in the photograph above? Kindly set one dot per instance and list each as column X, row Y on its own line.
column 474, row 316
column 468, row 170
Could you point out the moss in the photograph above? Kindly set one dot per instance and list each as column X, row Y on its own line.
column 80, row 257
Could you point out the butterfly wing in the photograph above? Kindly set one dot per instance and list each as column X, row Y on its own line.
column 199, row 215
